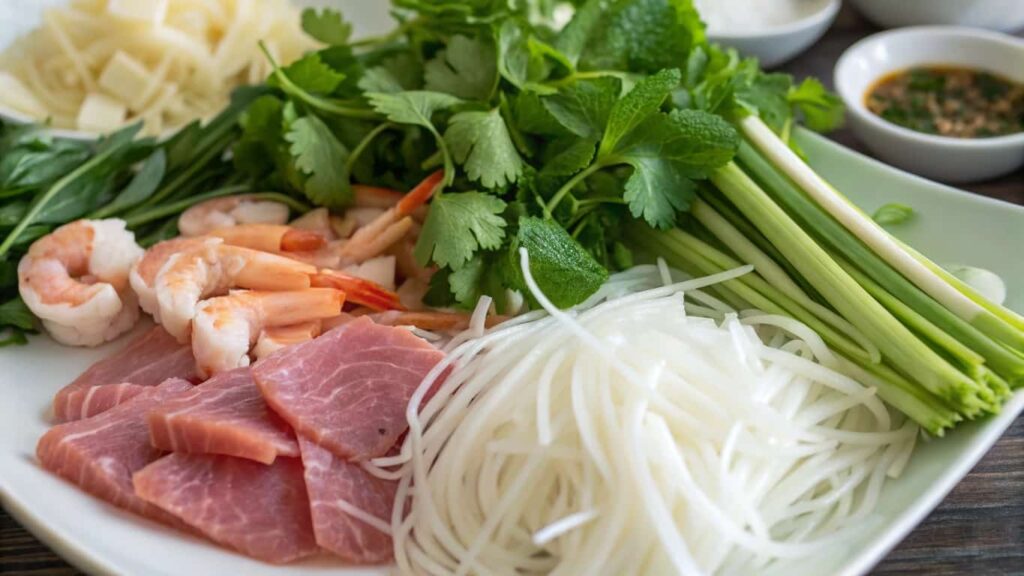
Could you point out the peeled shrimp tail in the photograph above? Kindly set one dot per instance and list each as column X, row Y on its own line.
column 271, row 238
column 274, row 338
column 358, row 290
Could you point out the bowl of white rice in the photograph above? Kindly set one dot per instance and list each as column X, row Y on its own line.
column 773, row 31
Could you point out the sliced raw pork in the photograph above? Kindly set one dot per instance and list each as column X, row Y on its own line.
column 101, row 453
column 147, row 361
column 224, row 415
column 348, row 389
column 261, row 511
column 351, row 507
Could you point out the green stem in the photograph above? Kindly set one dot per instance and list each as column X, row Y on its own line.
column 184, row 176
column 364, row 144
column 549, row 208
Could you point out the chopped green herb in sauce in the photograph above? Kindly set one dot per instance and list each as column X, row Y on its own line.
column 949, row 101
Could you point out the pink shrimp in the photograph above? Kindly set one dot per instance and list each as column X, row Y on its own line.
column 358, row 290
column 276, row 238
column 228, row 211
column 274, row 338
column 76, row 280
column 226, row 327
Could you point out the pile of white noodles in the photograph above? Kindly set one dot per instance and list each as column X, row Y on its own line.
column 96, row 65
column 638, row 434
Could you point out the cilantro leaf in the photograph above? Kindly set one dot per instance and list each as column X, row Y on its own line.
column 394, row 74
column 565, row 272
column 311, row 74
column 642, row 36
column 532, row 117
column 466, row 68
column 458, row 225
column 667, row 152
column 481, row 142
column 481, row 276
column 583, row 108
column 822, row 110
column 319, row 155
column 768, row 96
column 417, row 107
column 327, row 26
column 635, row 107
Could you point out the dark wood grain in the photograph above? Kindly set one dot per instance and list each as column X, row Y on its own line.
column 978, row 530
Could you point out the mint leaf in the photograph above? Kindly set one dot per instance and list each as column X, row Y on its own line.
column 642, row 36
column 565, row 272
column 457, row 226
column 466, row 68
column 583, row 108
column 311, row 74
column 893, row 214
column 319, row 155
column 822, row 110
column 667, row 152
column 481, row 142
column 570, row 157
column 639, row 104
column 327, row 26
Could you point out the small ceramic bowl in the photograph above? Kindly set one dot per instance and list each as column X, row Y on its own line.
column 1003, row 15
column 783, row 43
column 937, row 157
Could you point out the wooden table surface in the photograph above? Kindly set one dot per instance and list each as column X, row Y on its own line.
column 978, row 529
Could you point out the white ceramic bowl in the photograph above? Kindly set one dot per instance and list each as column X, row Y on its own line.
column 783, row 43
column 937, row 157
column 1004, row 15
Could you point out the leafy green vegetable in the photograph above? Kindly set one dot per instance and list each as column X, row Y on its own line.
column 417, row 108
column 326, row 25
column 320, row 156
column 822, row 110
column 15, row 313
column 142, row 186
column 467, row 68
column 481, row 142
column 637, row 106
column 583, row 108
column 311, row 74
column 458, row 225
column 642, row 36
column 564, row 271
column 893, row 214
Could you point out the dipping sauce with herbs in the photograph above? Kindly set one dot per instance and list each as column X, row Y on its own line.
column 949, row 101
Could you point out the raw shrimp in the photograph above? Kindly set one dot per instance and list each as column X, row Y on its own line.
column 274, row 338
column 358, row 290
column 276, row 238
column 76, row 280
column 393, row 225
column 208, row 216
column 144, row 272
column 212, row 270
column 225, row 328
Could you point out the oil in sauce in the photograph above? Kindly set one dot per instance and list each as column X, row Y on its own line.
column 949, row 101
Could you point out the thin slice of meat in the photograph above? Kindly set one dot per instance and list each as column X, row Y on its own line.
column 101, row 453
column 224, row 415
column 261, row 511
column 351, row 507
column 348, row 389
column 147, row 361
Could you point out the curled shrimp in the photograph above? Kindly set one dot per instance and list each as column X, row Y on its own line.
column 144, row 272
column 211, row 215
column 225, row 328
column 274, row 338
column 212, row 270
column 76, row 280
column 391, row 226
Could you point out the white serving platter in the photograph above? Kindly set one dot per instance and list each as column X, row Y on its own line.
column 951, row 227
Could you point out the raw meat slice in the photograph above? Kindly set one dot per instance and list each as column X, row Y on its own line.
column 147, row 361
column 99, row 454
column 224, row 415
column 348, row 389
column 261, row 511
column 340, row 492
